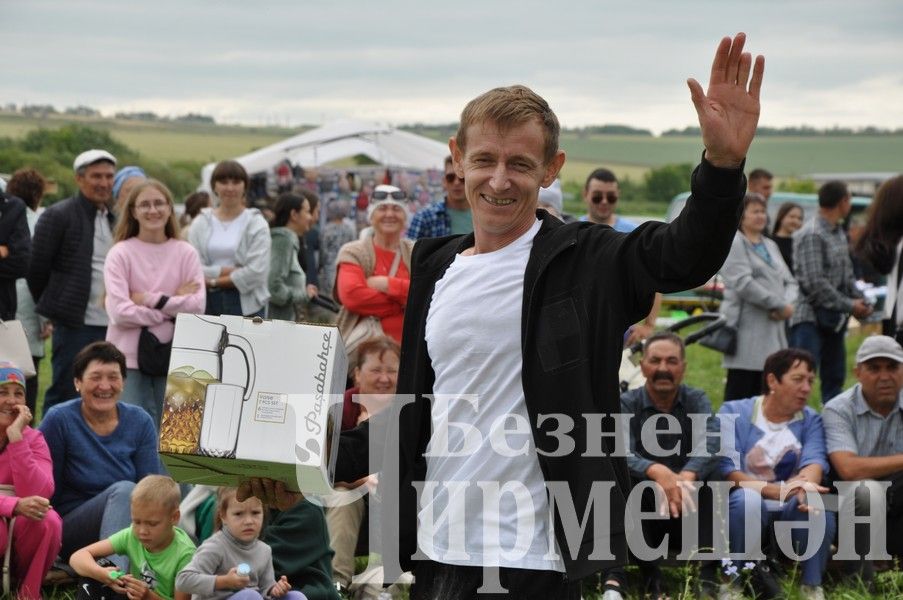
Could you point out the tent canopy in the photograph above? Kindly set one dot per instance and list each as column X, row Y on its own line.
column 342, row 139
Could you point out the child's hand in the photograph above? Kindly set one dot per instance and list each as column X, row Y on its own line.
column 135, row 589
column 117, row 583
column 232, row 580
column 280, row 588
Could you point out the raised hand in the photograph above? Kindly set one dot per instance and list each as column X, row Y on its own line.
column 729, row 110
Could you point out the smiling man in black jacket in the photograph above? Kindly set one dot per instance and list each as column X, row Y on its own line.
column 71, row 240
column 511, row 345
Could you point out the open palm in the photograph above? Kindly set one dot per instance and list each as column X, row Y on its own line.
column 729, row 110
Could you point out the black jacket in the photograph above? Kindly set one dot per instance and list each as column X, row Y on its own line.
column 583, row 286
column 59, row 276
column 15, row 236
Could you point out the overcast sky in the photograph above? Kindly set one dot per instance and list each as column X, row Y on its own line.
column 288, row 62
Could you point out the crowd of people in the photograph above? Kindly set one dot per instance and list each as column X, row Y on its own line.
column 524, row 311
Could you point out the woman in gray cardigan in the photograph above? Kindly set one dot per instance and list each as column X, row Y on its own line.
column 233, row 242
column 759, row 291
column 287, row 282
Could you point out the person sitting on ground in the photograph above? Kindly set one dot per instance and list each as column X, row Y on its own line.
column 26, row 485
column 100, row 448
column 375, row 375
column 233, row 562
column 296, row 531
column 665, row 396
column 156, row 548
column 778, row 455
column 864, row 431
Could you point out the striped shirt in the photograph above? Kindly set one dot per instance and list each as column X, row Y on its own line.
column 852, row 426
column 822, row 266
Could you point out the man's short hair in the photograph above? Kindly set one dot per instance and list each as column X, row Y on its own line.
column 508, row 107
column 832, row 193
column 757, row 174
column 230, row 169
column 780, row 362
column 600, row 174
column 669, row 336
column 158, row 490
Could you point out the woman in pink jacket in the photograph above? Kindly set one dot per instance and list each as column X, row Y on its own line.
column 26, row 481
column 150, row 275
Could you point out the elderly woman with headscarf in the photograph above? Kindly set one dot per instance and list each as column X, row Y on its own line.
column 374, row 273
column 124, row 182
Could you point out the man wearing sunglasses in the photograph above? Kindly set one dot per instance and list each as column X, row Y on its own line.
column 449, row 217
column 600, row 194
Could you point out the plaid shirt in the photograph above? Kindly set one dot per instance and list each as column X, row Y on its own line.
column 430, row 221
column 822, row 265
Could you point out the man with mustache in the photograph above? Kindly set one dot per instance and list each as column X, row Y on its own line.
column 661, row 437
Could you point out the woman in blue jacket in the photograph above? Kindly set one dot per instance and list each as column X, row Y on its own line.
column 779, row 449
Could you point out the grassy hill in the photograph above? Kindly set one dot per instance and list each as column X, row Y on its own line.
column 627, row 155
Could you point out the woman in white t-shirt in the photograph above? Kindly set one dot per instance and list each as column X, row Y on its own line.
column 233, row 242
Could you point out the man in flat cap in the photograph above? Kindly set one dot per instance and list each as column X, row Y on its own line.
column 71, row 240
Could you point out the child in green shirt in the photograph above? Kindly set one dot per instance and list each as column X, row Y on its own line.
column 156, row 548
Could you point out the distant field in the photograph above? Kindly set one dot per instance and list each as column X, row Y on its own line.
column 626, row 155
column 785, row 156
column 166, row 142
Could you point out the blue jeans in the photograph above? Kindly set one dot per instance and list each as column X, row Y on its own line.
column 227, row 302
column 771, row 511
column 97, row 519
column 830, row 355
column 145, row 391
column 67, row 342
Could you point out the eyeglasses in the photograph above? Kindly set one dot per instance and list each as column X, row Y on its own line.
column 382, row 195
column 451, row 177
column 146, row 206
column 611, row 197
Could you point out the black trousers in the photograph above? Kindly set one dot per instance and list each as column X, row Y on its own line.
column 438, row 581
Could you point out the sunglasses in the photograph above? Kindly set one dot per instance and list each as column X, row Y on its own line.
column 382, row 195
column 611, row 197
column 451, row 177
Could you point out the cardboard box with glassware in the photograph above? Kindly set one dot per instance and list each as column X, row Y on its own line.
column 253, row 398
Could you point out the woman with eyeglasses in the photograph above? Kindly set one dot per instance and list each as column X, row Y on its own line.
column 150, row 276
column 374, row 272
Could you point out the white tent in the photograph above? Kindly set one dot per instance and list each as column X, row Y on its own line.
column 342, row 139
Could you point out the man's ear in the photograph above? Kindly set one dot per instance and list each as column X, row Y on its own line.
column 553, row 168
column 457, row 155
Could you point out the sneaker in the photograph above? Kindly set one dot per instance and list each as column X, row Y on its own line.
column 812, row 592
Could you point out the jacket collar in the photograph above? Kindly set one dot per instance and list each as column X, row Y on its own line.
column 89, row 207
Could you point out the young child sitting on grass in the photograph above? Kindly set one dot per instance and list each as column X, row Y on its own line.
column 233, row 562
column 157, row 549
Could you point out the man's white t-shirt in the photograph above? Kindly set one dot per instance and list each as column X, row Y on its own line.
column 499, row 512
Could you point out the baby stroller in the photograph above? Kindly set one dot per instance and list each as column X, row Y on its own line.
column 630, row 375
